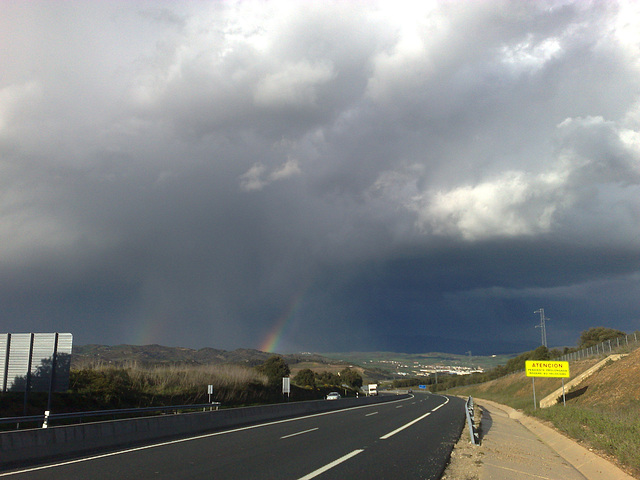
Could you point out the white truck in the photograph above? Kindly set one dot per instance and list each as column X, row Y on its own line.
column 373, row 389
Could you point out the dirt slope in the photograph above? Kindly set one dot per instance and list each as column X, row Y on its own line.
column 614, row 386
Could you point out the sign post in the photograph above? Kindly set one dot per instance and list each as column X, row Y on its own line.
column 286, row 386
column 533, row 384
column 210, row 391
column 548, row 369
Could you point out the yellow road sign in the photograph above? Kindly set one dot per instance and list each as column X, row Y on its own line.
column 547, row 368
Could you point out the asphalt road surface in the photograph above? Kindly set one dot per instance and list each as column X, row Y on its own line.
column 408, row 438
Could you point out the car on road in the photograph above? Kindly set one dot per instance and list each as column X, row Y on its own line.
column 333, row 396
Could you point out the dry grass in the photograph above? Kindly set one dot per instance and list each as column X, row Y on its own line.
column 176, row 379
column 232, row 384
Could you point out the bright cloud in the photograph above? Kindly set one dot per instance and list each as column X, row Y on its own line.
column 293, row 85
column 513, row 205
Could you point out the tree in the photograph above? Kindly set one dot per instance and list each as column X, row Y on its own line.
column 596, row 335
column 540, row 353
column 274, row 368
column 328, row 379
column 305, row 378
column 518, row 363
column 351, row 377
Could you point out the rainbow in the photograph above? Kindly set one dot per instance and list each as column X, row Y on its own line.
column 151, row 329
column 275, row 335
column 154, row 325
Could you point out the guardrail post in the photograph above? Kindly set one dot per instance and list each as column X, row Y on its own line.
column 469, row 411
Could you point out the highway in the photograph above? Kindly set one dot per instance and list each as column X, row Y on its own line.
column 408, row 438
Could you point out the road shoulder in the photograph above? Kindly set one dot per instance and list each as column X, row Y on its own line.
column 515, row 445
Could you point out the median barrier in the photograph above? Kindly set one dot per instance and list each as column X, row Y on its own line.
column 33, row 446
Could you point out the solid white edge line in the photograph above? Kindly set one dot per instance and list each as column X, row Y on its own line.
column 391, row 434
column 198, row 437
column 299, row 433
column 329, row 466
column 442, row 404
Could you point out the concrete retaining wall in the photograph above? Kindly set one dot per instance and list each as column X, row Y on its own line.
column 556, row 396
column 38, row 445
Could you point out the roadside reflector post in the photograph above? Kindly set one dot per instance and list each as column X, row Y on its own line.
column 45, row 423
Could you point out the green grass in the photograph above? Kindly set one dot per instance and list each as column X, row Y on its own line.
column 509, row 395
column 615, row 433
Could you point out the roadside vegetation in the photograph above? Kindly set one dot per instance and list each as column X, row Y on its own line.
column 347, row 377
column 133, row 386
column 602, row 412
column 101, row 386
column 613, row 432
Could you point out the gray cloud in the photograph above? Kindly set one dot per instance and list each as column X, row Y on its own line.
column 383, row 176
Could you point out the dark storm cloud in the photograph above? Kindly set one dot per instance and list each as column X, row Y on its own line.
column 398, row 176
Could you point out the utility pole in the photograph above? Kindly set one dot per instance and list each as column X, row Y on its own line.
column 542, row 326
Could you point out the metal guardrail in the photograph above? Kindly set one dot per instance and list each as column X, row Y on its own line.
column 46, row 418
column 470, row 420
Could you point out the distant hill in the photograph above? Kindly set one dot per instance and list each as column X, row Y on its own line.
column 380, row 365
column 149, row 355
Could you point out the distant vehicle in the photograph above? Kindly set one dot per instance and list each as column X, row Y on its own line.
column 333, row 396
column 373, row 389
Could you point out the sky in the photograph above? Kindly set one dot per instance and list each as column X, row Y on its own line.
column 320, row 176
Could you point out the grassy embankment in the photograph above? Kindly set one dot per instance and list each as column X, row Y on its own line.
column 603, row 412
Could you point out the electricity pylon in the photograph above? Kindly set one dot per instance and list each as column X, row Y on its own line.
column 542, row 325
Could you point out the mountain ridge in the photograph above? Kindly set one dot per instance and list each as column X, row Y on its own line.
column 154, row 354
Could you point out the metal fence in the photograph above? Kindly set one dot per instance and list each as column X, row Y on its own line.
column 607, row 347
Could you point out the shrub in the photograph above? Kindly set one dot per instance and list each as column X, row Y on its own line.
column 305, row 378
column 274, row 368
column 351, row 377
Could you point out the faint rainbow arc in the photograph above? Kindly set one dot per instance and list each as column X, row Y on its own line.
column 273, row 338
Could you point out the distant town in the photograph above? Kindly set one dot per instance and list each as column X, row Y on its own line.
column 418, row 369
